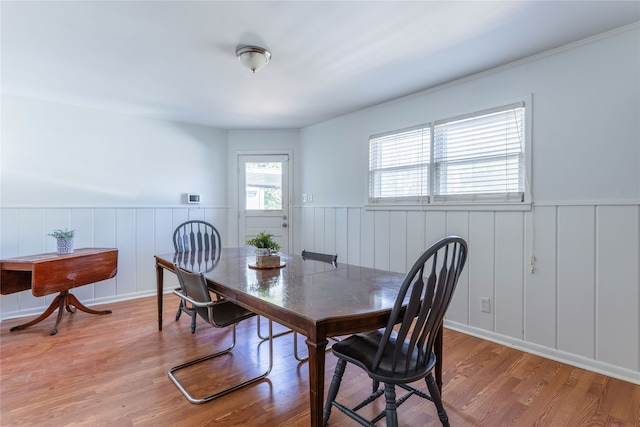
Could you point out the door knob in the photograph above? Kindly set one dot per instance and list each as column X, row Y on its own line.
column 284, row 225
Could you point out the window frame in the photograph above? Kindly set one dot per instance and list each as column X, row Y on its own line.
column 474, row 201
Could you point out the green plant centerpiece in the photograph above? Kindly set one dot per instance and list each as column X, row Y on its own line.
column 266, row 250
column 64, row 240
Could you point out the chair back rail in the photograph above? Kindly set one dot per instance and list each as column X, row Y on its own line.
column 328, row 258
column 196, row 235
column 218, row 313
column 198, row 244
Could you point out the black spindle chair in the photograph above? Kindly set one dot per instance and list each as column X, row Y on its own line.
column 402, row 352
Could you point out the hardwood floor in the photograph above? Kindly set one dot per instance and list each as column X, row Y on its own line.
column 112, row 370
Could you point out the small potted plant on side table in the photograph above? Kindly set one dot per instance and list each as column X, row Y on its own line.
column 266, row 250
column 64, row 240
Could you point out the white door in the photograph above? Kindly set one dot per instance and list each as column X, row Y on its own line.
column 263, row 197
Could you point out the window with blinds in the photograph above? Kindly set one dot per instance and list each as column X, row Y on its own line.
column 399, row 166
column 472, row 158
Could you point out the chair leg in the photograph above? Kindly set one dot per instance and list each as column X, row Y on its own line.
column 435, row 396
column 390, row 398
column 333, row 389
column 179, row 311
column 192, row 399
column 295, row 349
column 190, row 311
column 279, row 334
column 193, row 320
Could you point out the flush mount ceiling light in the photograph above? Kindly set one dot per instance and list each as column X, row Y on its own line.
column 253, row 57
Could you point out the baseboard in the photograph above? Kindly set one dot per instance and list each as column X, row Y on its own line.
column 549, row 353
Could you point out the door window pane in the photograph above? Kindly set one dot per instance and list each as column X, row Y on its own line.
column 263, row 186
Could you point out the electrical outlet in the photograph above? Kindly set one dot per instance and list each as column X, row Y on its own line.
column 304, row 198
column 310, row 197
column 485, row 305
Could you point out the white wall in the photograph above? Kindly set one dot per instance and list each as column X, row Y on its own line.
column 118, row 180
column 58, row 155
column 581, row 304
column 585, row 125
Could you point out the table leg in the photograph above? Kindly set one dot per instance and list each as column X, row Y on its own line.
column 316, row 380
column 64, row 300
column 159, row 290
column 71, row 300
column 56, row 303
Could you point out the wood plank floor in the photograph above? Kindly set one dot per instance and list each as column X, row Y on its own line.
column 112, row 370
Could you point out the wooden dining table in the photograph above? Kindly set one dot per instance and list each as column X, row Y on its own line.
column 316, row 299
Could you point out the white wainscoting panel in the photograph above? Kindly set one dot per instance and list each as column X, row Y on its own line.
column 416, row 237
column 458, row 224
column 354, row 245
column 126, row 244
column 617, row 242
column 436, row 227
column 33, row 230
column 541, row 303
column 341, row 240
column 368, row 242
column 330, row 235
column 576, row 280
column 319, row 228
column 104, row 234
column 145, row 244
column 308, row 230
column 509, row 271
column 398, row 241
column 481, row 266
column 381, row 240
column 163, row 230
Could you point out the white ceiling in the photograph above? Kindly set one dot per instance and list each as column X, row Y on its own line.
column 176, row 60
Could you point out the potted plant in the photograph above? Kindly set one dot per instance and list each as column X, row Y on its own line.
column 64, row 240
column 266, row 249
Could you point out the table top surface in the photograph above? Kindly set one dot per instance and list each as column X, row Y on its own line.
column 312, row 289
column 51, row 256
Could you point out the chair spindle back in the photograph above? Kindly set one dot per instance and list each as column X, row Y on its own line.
column 428, row 299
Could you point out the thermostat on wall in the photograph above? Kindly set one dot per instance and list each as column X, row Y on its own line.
column 193, row 198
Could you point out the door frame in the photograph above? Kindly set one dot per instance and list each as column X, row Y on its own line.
column 234, row 226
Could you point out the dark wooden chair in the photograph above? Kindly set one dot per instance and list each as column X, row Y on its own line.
column 219, row 314
column 402, row 352
column 197, row 244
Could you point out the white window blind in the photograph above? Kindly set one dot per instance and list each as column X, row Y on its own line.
column 399, row 165
column 481, row 155
column 473, row 158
